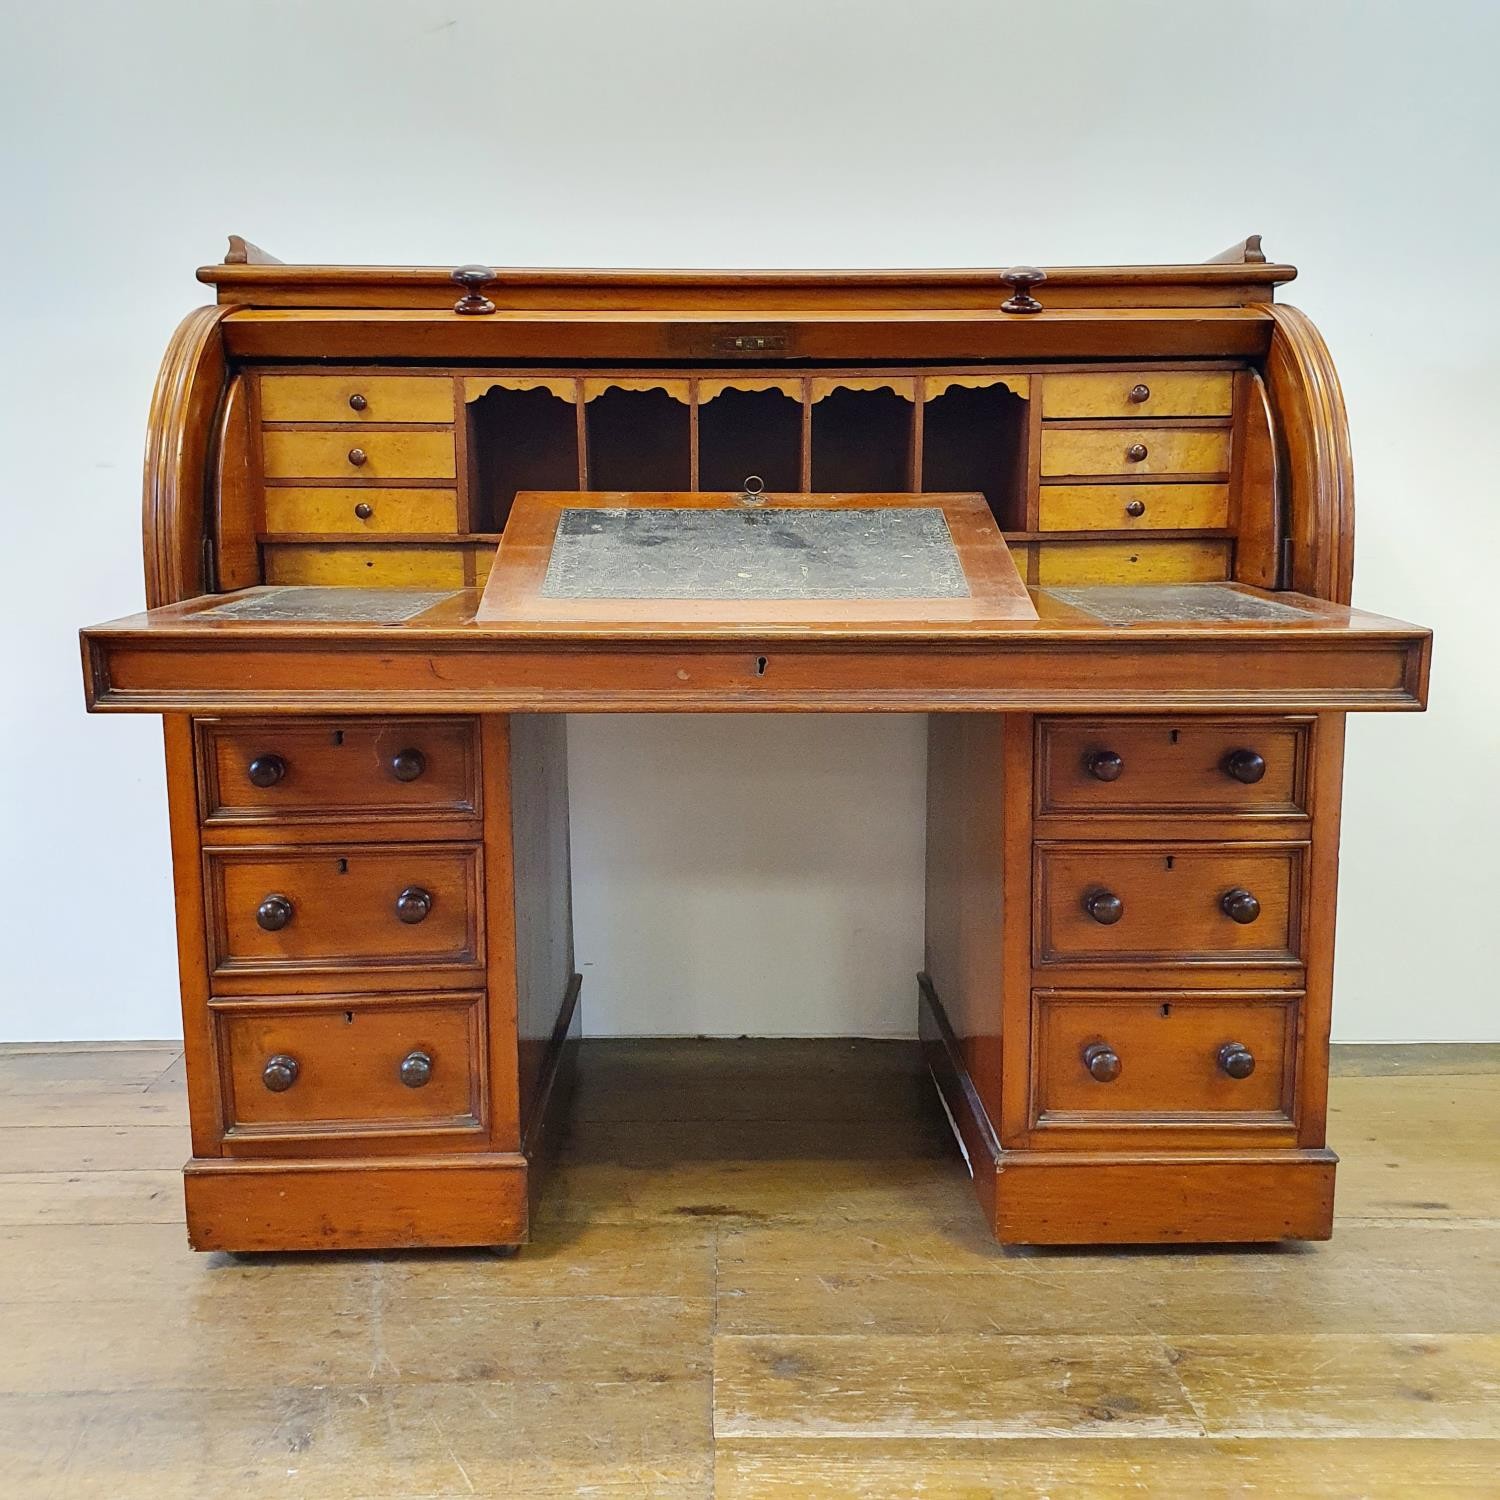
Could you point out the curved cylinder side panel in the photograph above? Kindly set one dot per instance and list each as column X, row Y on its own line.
column 179, row 435
column 1317, row 462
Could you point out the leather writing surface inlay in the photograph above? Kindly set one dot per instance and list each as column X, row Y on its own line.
column 1134, row 604
column 785, row 553
column 364, row 606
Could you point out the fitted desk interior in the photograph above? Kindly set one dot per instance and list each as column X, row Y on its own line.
column 1096, row 524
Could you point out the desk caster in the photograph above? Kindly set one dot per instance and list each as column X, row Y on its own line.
column 504, row 1252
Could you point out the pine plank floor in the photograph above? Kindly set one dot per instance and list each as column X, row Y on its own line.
column 758, row 1272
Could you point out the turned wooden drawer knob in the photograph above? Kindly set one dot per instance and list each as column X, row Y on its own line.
column 358, row 457
column 1104, row 907
column 413, row 905
column 1021, row 279
column 473, row 279
column 1136, row 508
column 266, row 770
column 279, row 1073
column 1139, row 393
column 416, row 1069
column 407, row 765
column 358, row 402
column 1245, row 765
column 1136, row 452
column 1240, row 906
column 1236, row 1059
column 1102, row 1061
column 274, row 913
column 364, row 510
column 1104, row 765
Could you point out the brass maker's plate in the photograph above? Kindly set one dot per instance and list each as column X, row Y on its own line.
column 794, row 553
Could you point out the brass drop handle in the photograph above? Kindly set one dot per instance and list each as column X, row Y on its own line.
column 279, row 1073
column 1236, row 1059
column 1136, row 508
column 407, row 765
column 1240, row 906
column 358, row 402
column 1136, row 452
column 266, row 770
column 358, row 457
column 1139, row 393
column 364, row 510
column 1104, row 765
column 416, row 1069
column 274, row 913
column 1245, row 765
column 413, row 905
column 1102, row 1061
column 1104, row 907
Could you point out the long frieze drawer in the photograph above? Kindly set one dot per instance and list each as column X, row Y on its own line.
column 1143, row 393
column 1124, row 904
column 1165, row 765
column 292, row 511
column 351, row 1065
column 1128, row 507
column 356, row 398
column 345, row 908
column 1170, row 1057
column 368, row 454
column 263, row 770
column 1134, row 450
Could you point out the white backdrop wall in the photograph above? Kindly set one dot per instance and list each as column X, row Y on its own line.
column 744, row 874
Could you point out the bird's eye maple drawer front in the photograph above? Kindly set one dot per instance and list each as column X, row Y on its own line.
column 1134, row 450
column 268, row 770
column 1161, row 766
column 346, row 907
column 367, row 454
column 1163, row 1057
column 370, row 510
column 1185, row 903
column 356, row 398
column 351, row 1064
column 1140, row 393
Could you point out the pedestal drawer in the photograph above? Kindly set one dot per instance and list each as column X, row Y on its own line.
column 351, row 1064
column 343, row 908
column 1163, row 765
column 1163, row 1057
column 258, row 771
column 1193, row 903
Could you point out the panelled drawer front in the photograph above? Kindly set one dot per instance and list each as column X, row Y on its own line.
column 1164, row 765
column 1173, row 903
column 1143, row 393
column 349, row 907
column 1163, row 1057
column 357, row 1065
column 260, row 771
column 327, row 511
column 1133, row 507
column 356, row 398
column 1113, row 450
column 369, row 454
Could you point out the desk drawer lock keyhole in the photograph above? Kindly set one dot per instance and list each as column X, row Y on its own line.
column 760, row 666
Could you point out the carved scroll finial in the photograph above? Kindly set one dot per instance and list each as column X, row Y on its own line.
column 1021, row 279
column 1246, row 253
column 473, row 301
column 242, row 253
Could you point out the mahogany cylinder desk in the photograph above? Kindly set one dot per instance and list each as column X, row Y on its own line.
column 1107, row 526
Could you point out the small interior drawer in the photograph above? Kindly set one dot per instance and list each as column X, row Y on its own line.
column 351, row 907
column 1139, row 393
column 1133, row 507
column 1160, row 903
column 353, row 1065
column 1163, row 1057
column 1136, row 560
column 369, row 454
column 1162, row 765
column 356, row 398
column 1134, row 450
column 271, row 770
column 327, row 511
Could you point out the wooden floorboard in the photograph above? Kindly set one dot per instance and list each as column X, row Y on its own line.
column 758, row 1272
